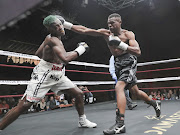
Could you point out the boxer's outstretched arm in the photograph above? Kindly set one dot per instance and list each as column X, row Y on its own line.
column 66, row 57
column 88, row 31
column 133, row 47
column 84, row 30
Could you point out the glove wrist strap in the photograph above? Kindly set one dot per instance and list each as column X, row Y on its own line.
column 123, row 46
column 67, row 25
column 80, row 50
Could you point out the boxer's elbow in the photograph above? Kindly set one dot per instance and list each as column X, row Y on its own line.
column 66, row 60
column 135, row 51
column 138, row 53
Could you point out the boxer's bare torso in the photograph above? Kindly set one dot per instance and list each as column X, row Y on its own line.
column 113, row 49
column 49, row 48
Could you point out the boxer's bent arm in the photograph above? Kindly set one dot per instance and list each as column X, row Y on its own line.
column 61, row 52
column 88, row 31
column 65, row 56
column 133, row 47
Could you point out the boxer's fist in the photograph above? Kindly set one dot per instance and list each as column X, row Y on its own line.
column 114, row 40
column 82, row 48
column 84, row 45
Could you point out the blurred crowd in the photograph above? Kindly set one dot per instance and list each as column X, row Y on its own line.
column 9, row 60
column 171, row 94
column 48, row 103
column 52, row 102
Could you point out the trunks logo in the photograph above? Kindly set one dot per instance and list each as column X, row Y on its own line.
column 54, row 78
column 35, row 77
column 56, row 68
column 33, row 98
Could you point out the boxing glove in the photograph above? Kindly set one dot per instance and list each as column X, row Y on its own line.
column 82, row 48
column 67, row 25
column 115, row 41
column 60, row 18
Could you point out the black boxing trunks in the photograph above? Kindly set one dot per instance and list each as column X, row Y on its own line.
column 125, row 69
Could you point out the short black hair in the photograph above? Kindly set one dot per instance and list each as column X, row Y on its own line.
column 114, row 15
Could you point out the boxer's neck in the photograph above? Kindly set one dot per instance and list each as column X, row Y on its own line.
column 118, row 33
column 59, row 37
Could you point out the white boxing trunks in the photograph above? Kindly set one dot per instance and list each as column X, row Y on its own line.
column 46, row 76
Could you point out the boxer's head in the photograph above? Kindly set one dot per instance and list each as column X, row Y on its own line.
column 114, row 22
column 54, row 25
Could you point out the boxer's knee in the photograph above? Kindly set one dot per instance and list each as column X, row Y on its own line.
column 120, row 86
column 79, row 94
column 23, row 107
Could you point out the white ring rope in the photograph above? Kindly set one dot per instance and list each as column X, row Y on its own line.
column 158, row 62
column 7, row 53
column 7, row 82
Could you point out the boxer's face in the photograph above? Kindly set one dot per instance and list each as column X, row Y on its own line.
column 57, row 28
column 114, row 24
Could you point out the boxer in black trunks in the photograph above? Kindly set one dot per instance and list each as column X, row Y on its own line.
column 123, row 45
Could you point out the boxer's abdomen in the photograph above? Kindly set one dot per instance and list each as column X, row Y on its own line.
column 116, row 51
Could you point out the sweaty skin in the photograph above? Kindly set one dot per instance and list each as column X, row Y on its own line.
column 114, row 29
column 52, row 49
column 131, row 46
column 128, row 37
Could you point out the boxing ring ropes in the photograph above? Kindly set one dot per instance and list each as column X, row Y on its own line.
column 13, row 82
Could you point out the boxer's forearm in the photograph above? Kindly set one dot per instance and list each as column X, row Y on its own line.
column 86, row 31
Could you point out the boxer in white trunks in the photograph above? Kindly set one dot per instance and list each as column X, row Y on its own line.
column 48, row 74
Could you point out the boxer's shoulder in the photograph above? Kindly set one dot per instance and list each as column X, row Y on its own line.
column 52, row 41
column 129, row 34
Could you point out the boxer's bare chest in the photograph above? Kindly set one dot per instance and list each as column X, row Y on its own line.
column 123, row 37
